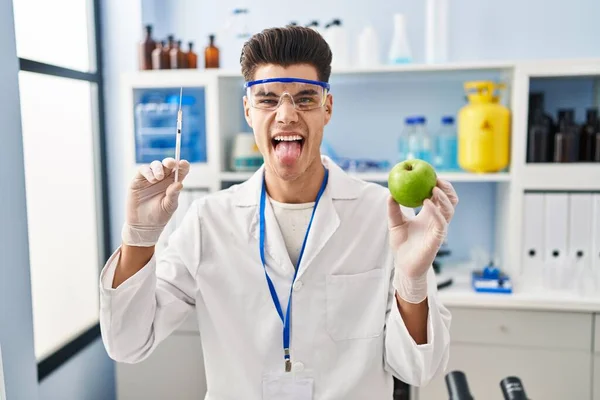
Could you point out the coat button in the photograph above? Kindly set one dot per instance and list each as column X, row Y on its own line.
column 297, row 285
column 298, row 367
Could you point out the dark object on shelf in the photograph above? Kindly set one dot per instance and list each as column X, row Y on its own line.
column 160, row 57
column 570, row 137
column 167, row 50
column 177, row 56
column 587, row 144
column 211, row 54
column 145, row 49
column 192, row 58
column 597, row 152
column 541, row 131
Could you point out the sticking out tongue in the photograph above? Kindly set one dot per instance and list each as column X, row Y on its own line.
column 288, row 152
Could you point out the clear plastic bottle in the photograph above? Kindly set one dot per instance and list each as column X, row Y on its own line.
column 446, row 146
column 424, row 145
column 400, row 51
column 407, row 144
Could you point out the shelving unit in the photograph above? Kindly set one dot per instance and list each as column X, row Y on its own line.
column 381, row 177
column 224, row 119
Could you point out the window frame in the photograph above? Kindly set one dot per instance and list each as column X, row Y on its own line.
column 52, row 362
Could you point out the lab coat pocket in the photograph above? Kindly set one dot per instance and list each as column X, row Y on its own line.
column 356, row 305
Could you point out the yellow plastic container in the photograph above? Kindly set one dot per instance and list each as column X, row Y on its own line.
column 483, row 129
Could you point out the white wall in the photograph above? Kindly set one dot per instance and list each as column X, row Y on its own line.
column 16, row 321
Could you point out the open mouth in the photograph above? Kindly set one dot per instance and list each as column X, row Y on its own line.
column 288, row 147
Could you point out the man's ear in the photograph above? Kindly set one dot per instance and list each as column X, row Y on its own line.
column 328, row 108
column 247, row 112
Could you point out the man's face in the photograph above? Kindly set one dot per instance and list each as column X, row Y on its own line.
column 289, row 138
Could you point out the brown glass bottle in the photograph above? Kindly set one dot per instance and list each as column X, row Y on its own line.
column 211, row 54
column 177, row 57
column 145, row 49
column 167, row 50
column 587, row 137
column 192, row 58
column 165, row 58
column 157, row 56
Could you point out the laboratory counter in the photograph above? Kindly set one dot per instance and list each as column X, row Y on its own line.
column 461, row 294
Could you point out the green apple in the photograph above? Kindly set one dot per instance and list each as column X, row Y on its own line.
column 411, row 182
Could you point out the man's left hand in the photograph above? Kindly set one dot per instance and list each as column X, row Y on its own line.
column 415, row 241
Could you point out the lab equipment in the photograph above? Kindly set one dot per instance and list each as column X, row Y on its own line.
column 588, row 136
column 245, row 155
column 446, row 143
column 541, row 131
column 491, row 280
column 155, row 122
column 368, row 47
column 305, row 95
column 336, row 36
column 145, row 49
column 211, row 53
column 400, row 51
column 178, row 138
column 192, row 57
column 160, row 56
column 483, row 129
column 408, row 143
column 458, row 388
column 424, row 147
column 177, row 56
column 436, row 31
column 512, row 388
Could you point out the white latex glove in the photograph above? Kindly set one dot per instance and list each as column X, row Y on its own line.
column 151, row 201
column 415, row 241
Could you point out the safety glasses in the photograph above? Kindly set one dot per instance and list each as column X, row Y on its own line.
column 304, row 94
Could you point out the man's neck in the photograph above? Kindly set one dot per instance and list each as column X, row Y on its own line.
column 304, row 189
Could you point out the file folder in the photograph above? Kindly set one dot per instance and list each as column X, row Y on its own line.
column 580, row 274
column 596, row 238
column 532, row 250
column 556, row 217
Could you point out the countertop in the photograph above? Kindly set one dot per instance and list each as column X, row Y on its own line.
column 460, row 294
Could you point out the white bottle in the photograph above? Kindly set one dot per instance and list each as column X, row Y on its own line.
column 368, row 48
column 337, row 38
column 400, row 51
column 436, row 31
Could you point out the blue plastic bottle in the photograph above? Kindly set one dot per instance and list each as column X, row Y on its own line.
column 446, row 158
column 424, row 145
column 407, row 145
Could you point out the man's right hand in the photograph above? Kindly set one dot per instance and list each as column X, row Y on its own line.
column 152, row 200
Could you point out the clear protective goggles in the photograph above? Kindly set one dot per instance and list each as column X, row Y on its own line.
column 304, row 94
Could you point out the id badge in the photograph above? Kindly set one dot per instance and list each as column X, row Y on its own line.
column 287, row 386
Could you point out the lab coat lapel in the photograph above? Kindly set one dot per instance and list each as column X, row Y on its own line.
column 248, row 196
column 326, row 221
column 274, row 243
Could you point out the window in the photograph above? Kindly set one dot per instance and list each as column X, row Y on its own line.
column 60, row 86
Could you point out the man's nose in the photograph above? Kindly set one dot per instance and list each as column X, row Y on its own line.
column 286, row 113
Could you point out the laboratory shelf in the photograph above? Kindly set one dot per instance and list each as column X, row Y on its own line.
column 383, row 176
column 561, row 176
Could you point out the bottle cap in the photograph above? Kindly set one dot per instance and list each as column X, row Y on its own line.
column 447, row 120
column 409, row 120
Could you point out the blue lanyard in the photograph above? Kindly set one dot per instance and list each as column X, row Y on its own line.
column 286, row 319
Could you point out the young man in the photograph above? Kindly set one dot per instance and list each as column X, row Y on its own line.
column 307, row 283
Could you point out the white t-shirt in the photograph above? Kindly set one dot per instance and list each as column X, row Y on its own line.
column 293, row 220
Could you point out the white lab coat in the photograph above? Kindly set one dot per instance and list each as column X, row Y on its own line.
column 346, row 329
